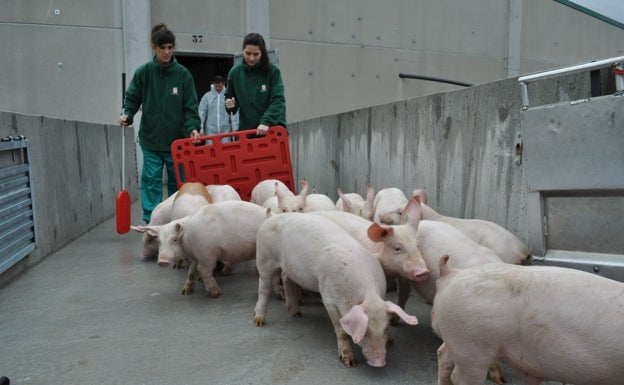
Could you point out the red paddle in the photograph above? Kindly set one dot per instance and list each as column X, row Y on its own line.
column 123, row 198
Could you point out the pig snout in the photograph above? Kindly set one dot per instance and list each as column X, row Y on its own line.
column 376, row 360
column 417, row 273
column 163, row 261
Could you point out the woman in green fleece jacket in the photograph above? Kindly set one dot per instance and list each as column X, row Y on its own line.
column 255, row 88
column 166, row 90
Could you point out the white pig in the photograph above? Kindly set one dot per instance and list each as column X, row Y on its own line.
column 191, row 194
column 222, row 231
column 356, row 204
column 223, row 192
column 389, row 204
column 396, row 247
column 302, row 202
column 266, row 189
column 320, row 256
column 489, row 234
column 552, row 323
column 189, row 198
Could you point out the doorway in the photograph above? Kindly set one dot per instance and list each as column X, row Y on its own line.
column 204, row 68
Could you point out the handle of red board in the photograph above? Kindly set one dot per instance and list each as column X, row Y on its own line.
column 123, row 198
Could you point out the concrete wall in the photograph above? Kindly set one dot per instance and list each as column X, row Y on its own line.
column 335, row 56
column 459, row 146
column 76, row 173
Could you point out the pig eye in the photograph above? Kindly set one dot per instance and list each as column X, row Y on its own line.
column 174, row 240
column 397, row 247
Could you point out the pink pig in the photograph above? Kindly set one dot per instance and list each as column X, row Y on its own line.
column 222, row 193
column 223, row 231
column 552, row 323
column 320, row 256
column 389, row 204
column 160, row 215
column 489, row 234
column 396, row 247
column 302, row 202
column 266, row 189
column 183, row 202
column 354, row 203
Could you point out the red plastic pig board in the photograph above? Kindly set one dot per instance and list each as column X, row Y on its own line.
column 241, row 162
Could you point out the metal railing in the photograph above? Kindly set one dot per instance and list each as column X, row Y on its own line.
column 616, row 62
column 18, row 235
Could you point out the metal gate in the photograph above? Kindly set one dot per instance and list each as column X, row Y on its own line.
column 574, row 158
column 18, row 235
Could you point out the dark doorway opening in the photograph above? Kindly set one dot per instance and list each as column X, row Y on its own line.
column 204, row 68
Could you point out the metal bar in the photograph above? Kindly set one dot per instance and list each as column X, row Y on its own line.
column 571, row 69
column 433, row 79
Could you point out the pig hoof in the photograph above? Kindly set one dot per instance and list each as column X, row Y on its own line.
column 187, row 290
column 214, row 293
column 296, row 314
column 496, row 374
column 258, row 320
column 347, row 361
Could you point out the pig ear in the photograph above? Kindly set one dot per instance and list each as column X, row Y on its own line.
column 411, row 213
column 355, row 323
column 345, row 201
column 280, row 194
column 391, row 307
column 370, row 193
column 377, row 233
column 179, row 228
column 422, row 194
column 144, row 229
column 304, row 188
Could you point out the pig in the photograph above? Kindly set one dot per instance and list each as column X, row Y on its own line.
column 266, row 189
column 489, row 234
column 356, row 204
column 164, row 213
column 222, row 192
column 303, row 202
column 320, row 256
column 435, row 239
column 396, row 247
column 389, row 204
column 190, row 197
column 222, row 231
column 160, row 215
column 552, row 323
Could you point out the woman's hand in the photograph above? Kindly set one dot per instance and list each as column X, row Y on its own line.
column 262, row 129
column 194, row 135
column 123, row 120
column 230, row 103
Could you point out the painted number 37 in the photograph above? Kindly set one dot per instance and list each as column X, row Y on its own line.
column 198, row 38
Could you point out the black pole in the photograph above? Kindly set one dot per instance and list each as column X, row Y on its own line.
column 421, row 77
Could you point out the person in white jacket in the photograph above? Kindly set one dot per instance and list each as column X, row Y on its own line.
column 214, row 118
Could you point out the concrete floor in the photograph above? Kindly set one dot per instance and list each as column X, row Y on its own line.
column 93, row 313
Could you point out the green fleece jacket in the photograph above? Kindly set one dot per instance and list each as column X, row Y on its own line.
column 259, row 97
column 167, row 93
